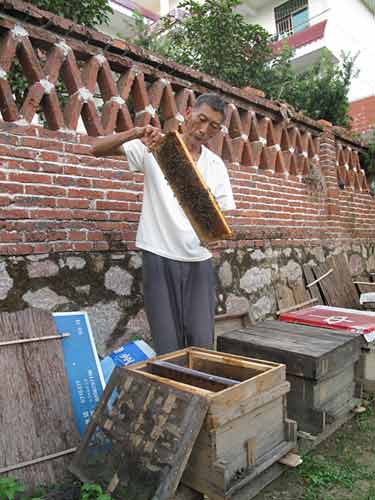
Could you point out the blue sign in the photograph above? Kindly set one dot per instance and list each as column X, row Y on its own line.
column 132, row 352
column 84, row 373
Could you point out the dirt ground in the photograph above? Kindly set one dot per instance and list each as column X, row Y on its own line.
column 341, row 468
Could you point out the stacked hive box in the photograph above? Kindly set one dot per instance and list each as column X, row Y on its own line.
column 245, row 428
column 348, row 322
column 320, row 368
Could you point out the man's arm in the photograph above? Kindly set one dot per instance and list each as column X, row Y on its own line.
column 110, row 145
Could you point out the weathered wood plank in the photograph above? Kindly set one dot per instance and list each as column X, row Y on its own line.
column 35, row 398
column 314, row 289
column 344, row 276
column 328, row 286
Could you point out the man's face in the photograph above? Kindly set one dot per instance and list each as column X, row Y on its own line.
column 202, row 123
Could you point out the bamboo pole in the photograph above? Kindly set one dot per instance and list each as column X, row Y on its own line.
column 35, row 339
column 320, row 278
column 21, row 465
column 297, row 306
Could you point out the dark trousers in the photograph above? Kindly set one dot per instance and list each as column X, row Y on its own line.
column 179, row 302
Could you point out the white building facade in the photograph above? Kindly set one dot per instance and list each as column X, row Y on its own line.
column 337, row 25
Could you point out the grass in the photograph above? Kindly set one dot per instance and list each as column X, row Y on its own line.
column 341, row 468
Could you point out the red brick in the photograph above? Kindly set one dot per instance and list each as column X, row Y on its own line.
column 122, row 195
column 83, row 247
column 77, row 235
column 85, row 193
column 30, row 178
column 69, row 203
column 45, row 190
column 95, row 235
column 34, row 201
column 89, row 215
column 10, row 236
column 111, row 205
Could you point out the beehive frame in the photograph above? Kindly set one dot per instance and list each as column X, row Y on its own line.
column 190, row 189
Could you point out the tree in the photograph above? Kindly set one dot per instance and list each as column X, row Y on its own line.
column 212, row 37
column 322, row 90
column 90, row 13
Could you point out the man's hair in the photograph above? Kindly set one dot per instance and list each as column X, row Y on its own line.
column 213, row 101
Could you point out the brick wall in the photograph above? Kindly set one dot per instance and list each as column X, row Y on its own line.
column 56, row 197
column 68, row 220
column 362, row 113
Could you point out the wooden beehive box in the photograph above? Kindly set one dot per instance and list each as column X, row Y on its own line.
column 349, row 322
column 320, row 367
column 246, row 428
column 236, row 406
column 187, row 183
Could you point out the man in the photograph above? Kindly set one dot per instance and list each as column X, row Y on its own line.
column 178, row 279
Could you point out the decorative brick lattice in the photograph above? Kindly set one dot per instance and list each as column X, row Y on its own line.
column 113, row 97
column 348, row 168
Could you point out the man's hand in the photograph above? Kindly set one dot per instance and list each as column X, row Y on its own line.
column 151, row 136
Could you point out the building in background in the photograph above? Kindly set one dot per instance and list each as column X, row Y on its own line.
column 309, row 26
column 122, row 20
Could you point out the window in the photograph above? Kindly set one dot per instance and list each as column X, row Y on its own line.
column 292, row 16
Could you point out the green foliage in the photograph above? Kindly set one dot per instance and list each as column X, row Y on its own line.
column 147, row 39
column 9, row 487
column 368, row 158
column 214, row 38
column 90, row 13
column 322, row 90
column 93, row 492
column 323, row 473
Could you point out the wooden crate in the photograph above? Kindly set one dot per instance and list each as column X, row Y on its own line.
column 365, row 373
column 190, row 188
column 320, row 367
column 246, row 429
column 349, row 322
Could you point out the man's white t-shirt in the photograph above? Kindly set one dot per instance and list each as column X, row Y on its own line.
column 164, row 228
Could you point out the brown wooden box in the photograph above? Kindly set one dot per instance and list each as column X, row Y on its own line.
column 320, row 367
column 246, row 428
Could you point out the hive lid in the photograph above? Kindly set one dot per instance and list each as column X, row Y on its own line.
column 351, row 321
column 149, row 428
column 307, row 351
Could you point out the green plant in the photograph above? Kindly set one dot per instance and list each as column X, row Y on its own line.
column 9, row 487
column 91, row 491
column 320, row 474
column 368, row 158
column 212, row 37
column 322, row 90
column 90, row 13
column 215, row 38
